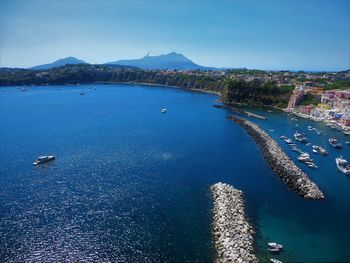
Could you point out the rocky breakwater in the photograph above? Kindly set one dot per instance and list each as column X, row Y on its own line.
column 232, row 233
column 280, row 163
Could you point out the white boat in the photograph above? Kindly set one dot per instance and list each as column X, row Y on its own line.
column 342, row 165
column 163, row 110
column 283, row 137
column 322, row 150
column 314, row 151
column 275, row 245
column 334, row 143
column 274, row 250
column 44, row 159
column 299, row 137
column 289, row 141
column 275, row 260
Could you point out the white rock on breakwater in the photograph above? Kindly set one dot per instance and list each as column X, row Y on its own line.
column 279, row 161
column 232, row 233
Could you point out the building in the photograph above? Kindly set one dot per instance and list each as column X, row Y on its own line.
column 306, row 109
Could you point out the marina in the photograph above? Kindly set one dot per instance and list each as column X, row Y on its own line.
column 280, row 163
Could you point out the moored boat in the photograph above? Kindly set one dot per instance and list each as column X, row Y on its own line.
column 163, row 110
column 343, row 165
column 44, row 159
column 275, row 260
column 274, row 245
column 322, row 150
column 334, row 143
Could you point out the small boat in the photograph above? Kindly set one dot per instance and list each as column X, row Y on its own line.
column 283, row 137
column 274, row 250
column 342, row 165
column 271, row 130
column 299, row 137
column 82, row 93
column 308, row 144
column 334, row 143
column 44, row 159
column 346, row 133
column 347, row 142
column 314, row 151
column 322, row 150
column 275, row 260
column 312, row 165
column 163, row 110
column 23, row 89
column 289, row 141
column 275, row 245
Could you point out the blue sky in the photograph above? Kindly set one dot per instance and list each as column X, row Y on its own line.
column 271, row 34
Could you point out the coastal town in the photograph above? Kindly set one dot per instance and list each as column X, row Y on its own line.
column 329, row 106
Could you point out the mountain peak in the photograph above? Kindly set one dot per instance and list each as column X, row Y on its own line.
column 59, row 63
column 171, row 60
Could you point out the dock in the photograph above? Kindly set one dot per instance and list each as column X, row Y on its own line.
column 233, row 234
column 246, row 113
column 279, row 161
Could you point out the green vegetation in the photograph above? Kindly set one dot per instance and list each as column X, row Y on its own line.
column 235, row 86
column 255, row 92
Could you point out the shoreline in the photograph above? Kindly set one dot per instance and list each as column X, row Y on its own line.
column 279, row 161
column 325, row 122
column 233, row 235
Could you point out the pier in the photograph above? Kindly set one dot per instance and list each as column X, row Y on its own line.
column 247, row 113
column 233, row 234
column 279, row 161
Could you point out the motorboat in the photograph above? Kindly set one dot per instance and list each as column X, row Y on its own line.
column 322, row 150
column 343, row 165
column 289, row 141
column 274, row 250
column 314, row 151
column 299, row 137
column 274, row 245
column 44, row 159
column 334, row 143
column 275, row 260
column 283, row 137
column 304, row 157
column 163, row 110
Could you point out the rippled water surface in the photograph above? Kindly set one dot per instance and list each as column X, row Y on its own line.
column 132, row 185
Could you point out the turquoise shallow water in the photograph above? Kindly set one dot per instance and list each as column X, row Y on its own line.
column 131, row 184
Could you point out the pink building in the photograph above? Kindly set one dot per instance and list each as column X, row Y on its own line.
column 306, row 109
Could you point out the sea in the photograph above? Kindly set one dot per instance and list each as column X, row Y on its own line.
column 132, row 184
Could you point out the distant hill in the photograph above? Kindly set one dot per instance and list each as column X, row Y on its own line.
column 59, row 63
column 168, row 61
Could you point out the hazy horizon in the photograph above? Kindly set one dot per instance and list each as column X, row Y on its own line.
column 269, row 35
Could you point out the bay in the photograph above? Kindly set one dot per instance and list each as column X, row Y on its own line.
column 132, row 184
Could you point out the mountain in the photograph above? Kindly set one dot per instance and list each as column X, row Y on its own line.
column 59, row 63
column 168, row 61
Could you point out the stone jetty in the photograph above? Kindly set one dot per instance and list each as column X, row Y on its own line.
column 233, row 109
column 280, row 163
column 232, row 233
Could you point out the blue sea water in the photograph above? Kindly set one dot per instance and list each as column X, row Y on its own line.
column 131, row 184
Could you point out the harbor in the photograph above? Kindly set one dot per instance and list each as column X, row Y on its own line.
column 279, row 161
column 233, row 235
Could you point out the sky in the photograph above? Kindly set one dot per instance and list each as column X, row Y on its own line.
column 255, row 34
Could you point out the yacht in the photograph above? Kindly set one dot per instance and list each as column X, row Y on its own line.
column 334, row 143
column 163, row 110
column 44, row 159
column 343, row 165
